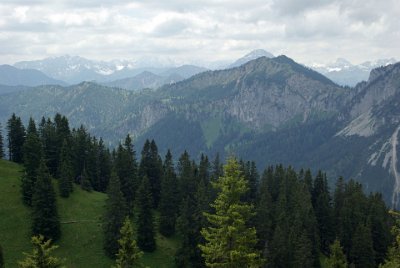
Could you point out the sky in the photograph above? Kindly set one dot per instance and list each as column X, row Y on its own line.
column 196, row 32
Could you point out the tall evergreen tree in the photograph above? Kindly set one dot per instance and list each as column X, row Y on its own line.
column 126, row 168
column 151, row 167
column 45, row 220
column 145, row 220
column 393, row 256
column 50, row 145
column 41, row 255
column 32, row 153
column 2, row 265
column 16, row 138
column 337, row 259
column 1, row 143
column 230, row 243
column 114, row 216
column 362, row 252
column 321, row 201
column 129, row 253
column 86, row 185
column 65, row 181
column 104, row 167
column 169, row 198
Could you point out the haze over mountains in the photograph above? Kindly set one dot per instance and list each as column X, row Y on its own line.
column 154, row 72
column 271, row 110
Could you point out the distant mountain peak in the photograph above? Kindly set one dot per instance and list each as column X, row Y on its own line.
column 255, row 54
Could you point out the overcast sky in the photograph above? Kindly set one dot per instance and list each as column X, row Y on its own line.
column 200, row 31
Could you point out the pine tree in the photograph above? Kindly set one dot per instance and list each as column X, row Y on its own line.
column 32, row 153
column 230, row 243
column 129, row 253
column 337, row 259
column 114, row 216
column 1, row 143
column 168, row 200
column 45, row 220
column 41, row 255
column 145, row 220
column 65, row 181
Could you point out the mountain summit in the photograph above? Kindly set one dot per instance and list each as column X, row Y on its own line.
column 255, row 54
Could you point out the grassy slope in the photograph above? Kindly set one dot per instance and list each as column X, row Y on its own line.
column 81, row 242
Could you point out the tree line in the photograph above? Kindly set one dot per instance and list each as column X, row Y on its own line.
column 225, row 215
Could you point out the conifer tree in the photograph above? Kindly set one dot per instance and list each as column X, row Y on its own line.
column 337, row 258
column 393, row 256
column 362, row 252
column 41, row 255
column 45, row 220
column 1, row 143
column 168, row 200
column 129, row 253
column 114, row 216
column 126, row 168
column 1, row 258
column 65, row 181
column 16, row 138
column 32, row 153
column 85, row 181
column 104, row 167
column 151, row 167
column 229, row 242
column 145, row 220
column 323, row 211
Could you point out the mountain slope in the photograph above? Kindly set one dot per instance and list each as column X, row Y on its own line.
column 80, row 216
column 267, row 110
column 12, row 76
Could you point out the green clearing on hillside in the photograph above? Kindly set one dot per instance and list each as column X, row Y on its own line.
column 80, row 215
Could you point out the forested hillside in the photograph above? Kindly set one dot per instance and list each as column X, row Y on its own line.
column 105, row 206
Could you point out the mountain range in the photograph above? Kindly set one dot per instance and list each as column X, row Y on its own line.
column 270, row 110
column 345, row 73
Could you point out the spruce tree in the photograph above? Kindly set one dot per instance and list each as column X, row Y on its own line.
column 45, row 220
column 41, row 255
column 114, row 216
column 86, row 185
column 151, row 167
column 362, row 252
column 145, row 220
column 32, row 153
column 1, row 143
column 229, row 241
column 321, row 201
column 65, row 181
column 126, row 168
column 393, row 256
column 168, row 200
column 16, row 138
column 104, row 167
column 129, row 253
column 337, row 258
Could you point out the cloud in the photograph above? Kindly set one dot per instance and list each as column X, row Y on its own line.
column 208, row 30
